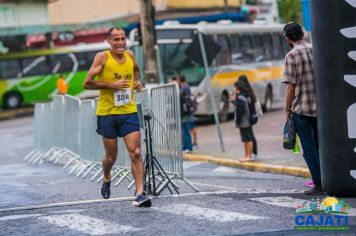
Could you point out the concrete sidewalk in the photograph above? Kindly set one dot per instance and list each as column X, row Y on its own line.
column 268, row 131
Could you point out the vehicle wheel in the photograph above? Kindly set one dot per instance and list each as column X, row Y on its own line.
column 224, row 108
column 268, row 100
column 12, row 100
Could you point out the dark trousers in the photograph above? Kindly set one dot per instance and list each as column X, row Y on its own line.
column 306, row 128
column 254, row 145
column 186, row 138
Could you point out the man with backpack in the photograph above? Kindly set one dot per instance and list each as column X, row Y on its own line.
column 187, row 110
column 245, row 117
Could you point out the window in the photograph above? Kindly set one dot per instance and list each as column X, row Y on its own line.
column 91, row 56
column 224, row 55
column 246, row 49
column 175, row 34
column 174, row 61
column 277, row 47
column 236, row 54
column 35, row 66
column 284, row 44
column 268, row 46
column 62, row 63
column 258, row 47
column 83, row 63
column 139, row 59
column 10, row 69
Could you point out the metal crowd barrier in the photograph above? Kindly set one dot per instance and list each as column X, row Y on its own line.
column 65, row 133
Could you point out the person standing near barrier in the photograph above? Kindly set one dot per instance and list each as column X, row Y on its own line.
column 187, row 116
column 301, row 99
column 117, row 76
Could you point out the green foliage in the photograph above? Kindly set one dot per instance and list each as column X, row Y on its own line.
column 290, row 10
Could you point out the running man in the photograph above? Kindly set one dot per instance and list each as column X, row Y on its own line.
column 117, row 76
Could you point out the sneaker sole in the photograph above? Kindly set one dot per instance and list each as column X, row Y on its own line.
column 146, row 203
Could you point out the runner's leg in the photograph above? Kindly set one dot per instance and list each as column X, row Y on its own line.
column 110, row 146
column 132, row 141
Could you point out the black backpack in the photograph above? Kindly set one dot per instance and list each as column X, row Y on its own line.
column 189, row 104
column 251, row 107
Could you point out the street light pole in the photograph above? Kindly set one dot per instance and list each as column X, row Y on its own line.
column 148, row 41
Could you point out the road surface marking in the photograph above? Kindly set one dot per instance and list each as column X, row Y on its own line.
column 189, row 164
column 201, row 213
column 224, row 169
column 17, row 217
column 87, row 224
column 84, row 202
column 290, row 202
column 59, row 204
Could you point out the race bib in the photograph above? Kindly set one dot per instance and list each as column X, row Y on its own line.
column 122, row 97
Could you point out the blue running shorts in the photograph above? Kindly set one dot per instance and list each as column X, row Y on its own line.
column 113, row 126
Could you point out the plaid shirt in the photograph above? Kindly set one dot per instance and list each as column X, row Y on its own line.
column 298, row 70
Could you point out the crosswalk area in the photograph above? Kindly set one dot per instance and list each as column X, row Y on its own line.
column 190, row 212
column 230, row 201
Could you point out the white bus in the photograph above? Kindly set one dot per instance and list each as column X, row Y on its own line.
column 256, row 51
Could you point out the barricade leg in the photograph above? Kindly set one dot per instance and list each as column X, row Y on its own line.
column 95, row 164
column 79, row 162
column 131, row 184
column 96, row 174
column 123, row 177
column 86, row 165
column 34, row 157
column 38, row 158
column 29, row 155
column 190, row 184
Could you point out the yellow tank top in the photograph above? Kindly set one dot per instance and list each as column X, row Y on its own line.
column 121, row 101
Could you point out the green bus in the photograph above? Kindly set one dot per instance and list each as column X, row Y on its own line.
column 29, row 77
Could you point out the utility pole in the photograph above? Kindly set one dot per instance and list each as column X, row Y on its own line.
column 226, row 7
column 148, row 41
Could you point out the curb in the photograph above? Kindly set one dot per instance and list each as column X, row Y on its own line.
column 252, row 166
column 10, row 114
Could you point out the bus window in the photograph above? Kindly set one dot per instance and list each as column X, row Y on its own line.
column 174, row 62
column 62, row 63
column 236, row 55
column 224, row 55
column 268, row 46
column 35, row 66
column 139, row 59
column 10, row 69
column 83, row 64
column 284, row 44
column 90, row 57
column 277, row 47
column 258, row 47
column 175, row 34
column 246, row 49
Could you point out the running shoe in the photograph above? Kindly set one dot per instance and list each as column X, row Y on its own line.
column 142, row 200
column 105, row 189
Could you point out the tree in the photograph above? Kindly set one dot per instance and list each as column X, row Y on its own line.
column 148, row 41
column 290, row 10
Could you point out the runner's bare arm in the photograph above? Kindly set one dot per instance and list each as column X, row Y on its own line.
column 96, row 68
column 138, row 84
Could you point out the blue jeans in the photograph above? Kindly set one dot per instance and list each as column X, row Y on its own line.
column 186, row 138
column 307, row 131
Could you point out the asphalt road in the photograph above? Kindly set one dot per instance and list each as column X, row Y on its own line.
column 46, row 200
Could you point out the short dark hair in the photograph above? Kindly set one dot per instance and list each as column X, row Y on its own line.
column 112, row 29
column 239, row 84
column 293, row 31
column 181, row 78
